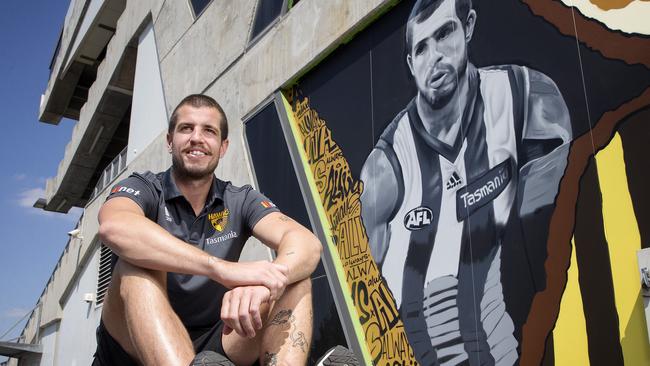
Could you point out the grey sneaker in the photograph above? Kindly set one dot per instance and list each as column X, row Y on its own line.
column 209, row 358
column 338, row 356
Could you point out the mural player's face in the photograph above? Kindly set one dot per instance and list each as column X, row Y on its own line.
column 195, row 143
column 438, row 57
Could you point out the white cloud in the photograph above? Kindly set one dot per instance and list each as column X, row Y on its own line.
column 15, row 313
column 29, row 196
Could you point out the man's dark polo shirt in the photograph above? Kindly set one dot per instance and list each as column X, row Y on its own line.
column 221, row 229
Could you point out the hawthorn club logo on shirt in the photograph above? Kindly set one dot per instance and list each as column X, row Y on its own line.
column 219, row 220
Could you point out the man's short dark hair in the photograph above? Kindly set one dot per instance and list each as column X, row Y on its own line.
column 198, row 101
column 423, row 10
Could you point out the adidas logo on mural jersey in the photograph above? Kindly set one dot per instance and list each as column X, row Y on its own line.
column 454, row 181
column 418, row 218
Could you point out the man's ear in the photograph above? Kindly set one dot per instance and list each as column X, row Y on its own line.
column 469, row 25
column 224, row 148
column 409, row 62
column 169, row 143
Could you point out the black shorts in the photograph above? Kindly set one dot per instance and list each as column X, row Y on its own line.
column 110, row 353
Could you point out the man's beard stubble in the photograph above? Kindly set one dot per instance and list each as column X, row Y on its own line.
column 182, row 172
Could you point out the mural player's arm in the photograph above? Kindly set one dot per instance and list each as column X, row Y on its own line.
column 548, row 124
column 546, row 140
column 378, row 201
column 136, row 239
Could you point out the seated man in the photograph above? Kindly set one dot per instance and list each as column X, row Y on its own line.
column 177, row 288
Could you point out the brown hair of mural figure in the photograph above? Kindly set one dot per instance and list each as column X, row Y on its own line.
column 546, row 304
column 198, row 101
column 610, row 43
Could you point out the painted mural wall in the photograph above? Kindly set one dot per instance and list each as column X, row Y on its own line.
column 479, row 170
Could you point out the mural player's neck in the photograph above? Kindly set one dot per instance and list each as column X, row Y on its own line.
column 444, row 123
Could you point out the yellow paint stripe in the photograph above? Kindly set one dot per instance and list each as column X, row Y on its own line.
column 622, row 234
column 570, row 334
column 331, row 247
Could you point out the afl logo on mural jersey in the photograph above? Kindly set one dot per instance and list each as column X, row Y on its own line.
column 219, row 220
column 418, row 218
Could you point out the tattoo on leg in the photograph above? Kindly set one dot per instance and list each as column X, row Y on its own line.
column 299, row 340
column 286, row 317
column 270, row 359
column 282, row 317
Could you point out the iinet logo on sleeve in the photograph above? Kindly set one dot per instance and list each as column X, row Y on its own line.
column 126, row 190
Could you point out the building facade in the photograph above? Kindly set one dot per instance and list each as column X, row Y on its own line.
column 509, row 236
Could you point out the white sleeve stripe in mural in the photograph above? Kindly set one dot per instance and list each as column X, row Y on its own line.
column 500, row 135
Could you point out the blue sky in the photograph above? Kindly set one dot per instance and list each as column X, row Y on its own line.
column 30, row 151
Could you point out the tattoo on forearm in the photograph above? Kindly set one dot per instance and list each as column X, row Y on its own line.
column 270, row 359
column 285, row 218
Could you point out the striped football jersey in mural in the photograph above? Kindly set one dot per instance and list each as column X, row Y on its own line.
column 445, row 236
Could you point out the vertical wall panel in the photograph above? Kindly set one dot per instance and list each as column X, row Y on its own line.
column 149, row 114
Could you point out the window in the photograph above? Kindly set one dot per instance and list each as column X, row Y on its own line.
column 273, row 167
column 266, row 12
column 105, row 272
column 198, row 6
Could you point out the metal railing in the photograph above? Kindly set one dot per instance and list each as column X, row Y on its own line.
column 112, row 171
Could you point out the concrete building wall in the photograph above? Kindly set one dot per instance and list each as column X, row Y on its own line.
column 80, row 318
column 90, row 14
column 49, row 339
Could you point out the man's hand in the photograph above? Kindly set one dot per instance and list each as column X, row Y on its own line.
column 240, row 309
column 273, row 276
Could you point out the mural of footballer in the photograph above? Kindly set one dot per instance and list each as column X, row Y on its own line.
column 475, row 150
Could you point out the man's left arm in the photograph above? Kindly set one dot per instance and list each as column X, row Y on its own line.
column 297, row 248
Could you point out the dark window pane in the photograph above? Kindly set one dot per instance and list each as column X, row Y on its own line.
column 266, row 12
column 272, row 163
column 199, row 5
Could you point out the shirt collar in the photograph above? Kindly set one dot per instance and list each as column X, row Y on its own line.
column 171, row 190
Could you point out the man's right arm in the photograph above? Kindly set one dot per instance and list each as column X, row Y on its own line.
column 124, row 228
column 378, row 201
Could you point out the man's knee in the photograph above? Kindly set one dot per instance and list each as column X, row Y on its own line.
column 137, row 281
column 300, row 287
